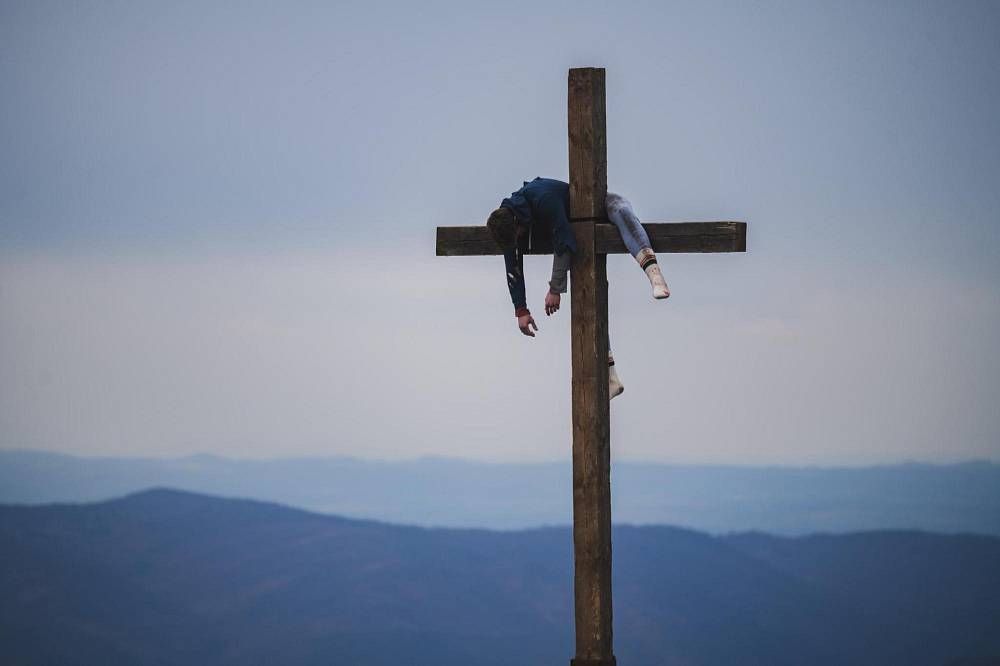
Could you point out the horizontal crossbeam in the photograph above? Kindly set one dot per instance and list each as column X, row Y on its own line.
column 665, row 236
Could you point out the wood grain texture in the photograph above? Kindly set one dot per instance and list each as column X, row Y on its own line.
column 591, row 412
column 675, row 237
column 669, row 237
column 588, row 144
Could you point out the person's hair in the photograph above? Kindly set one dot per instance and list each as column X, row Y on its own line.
column 503, row 227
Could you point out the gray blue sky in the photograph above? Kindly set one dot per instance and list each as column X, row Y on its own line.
column 217, row 228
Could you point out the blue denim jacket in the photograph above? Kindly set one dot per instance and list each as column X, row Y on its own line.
column 541, row 206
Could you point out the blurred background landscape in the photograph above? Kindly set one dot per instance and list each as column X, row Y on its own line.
column 438, row 492
column 787, row 565
column 165, row 577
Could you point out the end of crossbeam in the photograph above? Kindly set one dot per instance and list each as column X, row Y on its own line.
column 680, row 237
column 465, row 242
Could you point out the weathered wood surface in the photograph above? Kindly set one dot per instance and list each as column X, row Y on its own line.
column 669, row 237
column 591, row 413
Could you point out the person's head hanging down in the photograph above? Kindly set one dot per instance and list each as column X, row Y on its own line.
column 504, row 228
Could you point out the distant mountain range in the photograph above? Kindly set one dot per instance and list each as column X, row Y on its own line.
column 165, row 577
column 455, row 493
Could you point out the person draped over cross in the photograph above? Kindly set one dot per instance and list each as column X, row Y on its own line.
column 542, row 206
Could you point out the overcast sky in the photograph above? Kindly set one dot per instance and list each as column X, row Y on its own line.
column 217, row 228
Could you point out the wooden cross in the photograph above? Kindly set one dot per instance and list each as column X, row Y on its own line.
column 595, row 239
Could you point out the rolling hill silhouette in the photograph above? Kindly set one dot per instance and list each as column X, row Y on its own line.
column 168, row 577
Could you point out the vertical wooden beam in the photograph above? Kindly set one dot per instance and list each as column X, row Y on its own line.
column 591, row 417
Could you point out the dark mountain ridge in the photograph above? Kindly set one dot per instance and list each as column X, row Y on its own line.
column 168, row 577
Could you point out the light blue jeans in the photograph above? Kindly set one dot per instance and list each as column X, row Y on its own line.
column 622, row 216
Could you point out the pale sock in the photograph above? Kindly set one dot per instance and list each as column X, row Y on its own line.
column 614, row 384
column 647, row 260
column 660, row 289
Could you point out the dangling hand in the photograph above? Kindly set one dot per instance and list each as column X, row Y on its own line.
column 552, row 303
column 525, row 322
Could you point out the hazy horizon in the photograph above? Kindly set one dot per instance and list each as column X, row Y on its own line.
column 273, row 457
column 959, row 498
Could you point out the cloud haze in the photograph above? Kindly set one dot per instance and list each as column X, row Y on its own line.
column 216, row 228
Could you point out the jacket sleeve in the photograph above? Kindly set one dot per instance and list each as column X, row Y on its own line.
column 560, row 265
column 514, row 263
